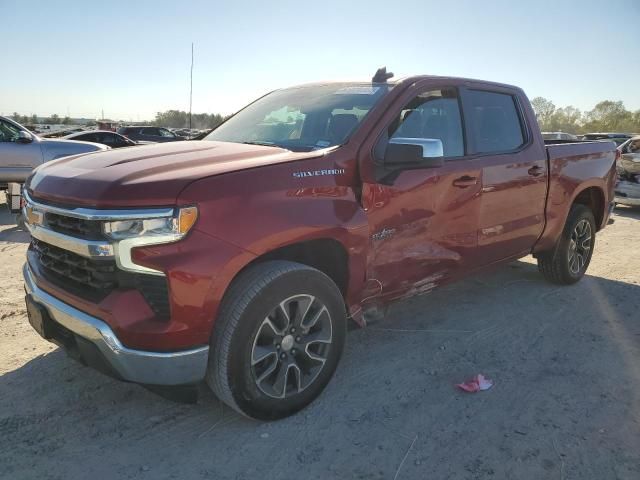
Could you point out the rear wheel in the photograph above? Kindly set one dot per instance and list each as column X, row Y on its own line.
column 569, row 260
column 278, row 339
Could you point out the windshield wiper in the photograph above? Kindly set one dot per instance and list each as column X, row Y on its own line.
column 264, row 144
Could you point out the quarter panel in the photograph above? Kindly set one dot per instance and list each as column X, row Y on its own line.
column 574, row 168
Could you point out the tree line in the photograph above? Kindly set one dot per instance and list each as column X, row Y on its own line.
column 180, row 119
column 34, row 119
column 606, row 116
column 170, row 118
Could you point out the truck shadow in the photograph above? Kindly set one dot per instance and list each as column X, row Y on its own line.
column 395, row 381
column 14, row 235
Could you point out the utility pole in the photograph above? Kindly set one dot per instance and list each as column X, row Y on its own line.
column 102, row 114
column 191, row 87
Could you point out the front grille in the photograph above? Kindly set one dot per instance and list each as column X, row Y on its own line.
column 94, row 278
column 76, row 227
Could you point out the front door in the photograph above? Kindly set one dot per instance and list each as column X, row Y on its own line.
column 423, row 222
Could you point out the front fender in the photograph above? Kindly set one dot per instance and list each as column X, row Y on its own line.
column 265, row 209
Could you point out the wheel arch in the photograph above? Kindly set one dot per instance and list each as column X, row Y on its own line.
column 327, row 255
column 592, row 197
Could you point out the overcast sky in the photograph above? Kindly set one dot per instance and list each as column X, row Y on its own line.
column 132, row 58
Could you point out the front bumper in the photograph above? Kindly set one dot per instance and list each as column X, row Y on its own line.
column 140, row 366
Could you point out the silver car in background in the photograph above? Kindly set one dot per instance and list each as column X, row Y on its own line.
column 627, row 190
column 21, row 151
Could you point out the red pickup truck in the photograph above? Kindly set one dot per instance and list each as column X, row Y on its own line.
column 240, row 258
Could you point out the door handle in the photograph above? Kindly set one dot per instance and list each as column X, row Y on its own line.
column 465, row 181
column 535, row 171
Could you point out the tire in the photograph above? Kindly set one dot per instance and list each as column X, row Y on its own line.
column 568, row 261
column 254, row 350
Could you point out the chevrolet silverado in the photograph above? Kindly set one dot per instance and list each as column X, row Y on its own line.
column 240, row 259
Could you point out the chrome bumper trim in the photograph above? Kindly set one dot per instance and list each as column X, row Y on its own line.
column 153, row 368
column 99, row 214
column 86, row 248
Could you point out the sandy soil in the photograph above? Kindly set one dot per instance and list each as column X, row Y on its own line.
column 566, row 404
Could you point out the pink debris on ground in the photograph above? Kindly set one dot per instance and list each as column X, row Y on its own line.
column 477, row 383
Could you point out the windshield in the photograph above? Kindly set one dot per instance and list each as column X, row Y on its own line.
column 302, row 118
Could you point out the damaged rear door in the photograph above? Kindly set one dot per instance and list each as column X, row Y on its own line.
column 423, row 221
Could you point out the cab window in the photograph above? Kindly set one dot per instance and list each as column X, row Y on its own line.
column 495, row 122
column 432, row 115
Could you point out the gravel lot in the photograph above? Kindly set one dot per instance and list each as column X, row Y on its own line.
column 566, row 403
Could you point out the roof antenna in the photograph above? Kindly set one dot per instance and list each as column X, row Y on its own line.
column 381, row 75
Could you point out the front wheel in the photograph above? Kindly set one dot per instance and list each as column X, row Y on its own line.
column 278, row 339
column 569, row 260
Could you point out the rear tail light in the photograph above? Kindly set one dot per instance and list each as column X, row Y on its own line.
column 618, row 153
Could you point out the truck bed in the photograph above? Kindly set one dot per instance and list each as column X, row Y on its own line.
column 564, row 149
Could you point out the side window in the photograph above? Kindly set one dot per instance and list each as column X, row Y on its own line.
column 90, row 137
column 150, row 131
column 8, row 132
column 117, row 140
column 104, row 138
column 166, row 133
column 495, row 121
column 432, row 115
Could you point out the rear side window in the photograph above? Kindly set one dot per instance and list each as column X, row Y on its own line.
column 495, row 121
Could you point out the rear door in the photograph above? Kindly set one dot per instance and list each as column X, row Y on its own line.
column 514, row 173
column 423, row 222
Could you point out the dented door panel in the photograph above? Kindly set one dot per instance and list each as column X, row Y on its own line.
column 423, row 228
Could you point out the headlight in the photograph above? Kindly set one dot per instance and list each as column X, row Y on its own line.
column 170, row 228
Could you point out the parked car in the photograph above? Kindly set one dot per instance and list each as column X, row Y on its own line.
column 619, row 138
column 201, row 135
column 149, row 134
column 627, row 190
column 240, row 258
column 558, row 136
column 21, row 151
column 104, row 137
column 62, row 132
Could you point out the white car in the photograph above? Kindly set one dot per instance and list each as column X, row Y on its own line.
column 558, row 136
column 21, row 151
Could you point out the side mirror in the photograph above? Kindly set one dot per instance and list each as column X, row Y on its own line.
column 411, row 153
column 24, row 137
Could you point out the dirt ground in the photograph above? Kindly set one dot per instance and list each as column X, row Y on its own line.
column 565, row 405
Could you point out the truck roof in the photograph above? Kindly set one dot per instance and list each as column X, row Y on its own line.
column 410, row 80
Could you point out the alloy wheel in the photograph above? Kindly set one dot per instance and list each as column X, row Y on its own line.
column 291, row 346
column 579, row 246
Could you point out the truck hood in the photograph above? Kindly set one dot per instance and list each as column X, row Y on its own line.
column 148, row 175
